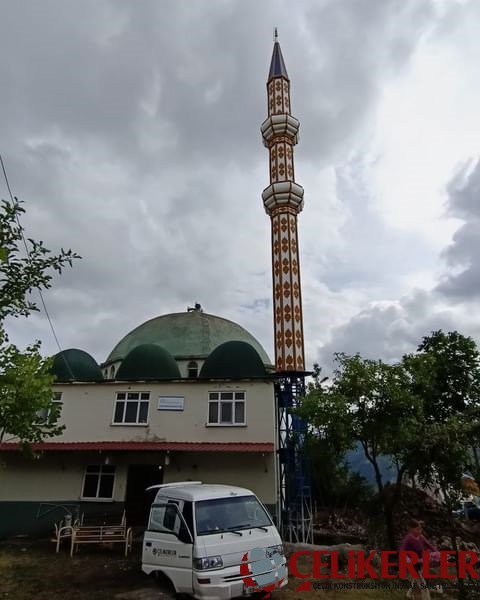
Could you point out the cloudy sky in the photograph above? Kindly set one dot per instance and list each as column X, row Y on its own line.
column 131, row 132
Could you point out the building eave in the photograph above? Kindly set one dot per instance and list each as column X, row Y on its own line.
column 259, row 447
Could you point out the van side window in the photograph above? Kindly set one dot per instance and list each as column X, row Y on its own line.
column 164, row 518
column 187, row 513
column 170, row 516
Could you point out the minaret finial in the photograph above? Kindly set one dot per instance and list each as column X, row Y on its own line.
column 275, row 35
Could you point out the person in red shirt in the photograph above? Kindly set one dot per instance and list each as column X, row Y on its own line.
column 416, row 542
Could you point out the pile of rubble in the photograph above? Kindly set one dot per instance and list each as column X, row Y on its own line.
column 340, row 526
column 416, row 504
column 334, row 527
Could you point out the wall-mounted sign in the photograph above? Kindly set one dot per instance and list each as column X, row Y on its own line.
column 171, row 403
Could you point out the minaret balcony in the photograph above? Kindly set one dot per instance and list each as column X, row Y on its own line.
column 279, row 125
column 284, row 193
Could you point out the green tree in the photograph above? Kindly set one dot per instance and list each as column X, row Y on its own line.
column 22, row 273
column 368, row 404
column 452, row 384
column 334, row 484
column 445, row 374
column 27, row 411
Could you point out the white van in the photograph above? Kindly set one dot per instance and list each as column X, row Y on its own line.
column 198, row 535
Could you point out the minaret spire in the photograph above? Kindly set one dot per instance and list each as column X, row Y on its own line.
column 277, row 65
column 283, row 200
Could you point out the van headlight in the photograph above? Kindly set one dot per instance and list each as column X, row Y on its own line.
column 271, row 550
column 211, row 562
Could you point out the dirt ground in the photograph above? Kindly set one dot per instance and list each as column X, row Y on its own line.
column 32, row 571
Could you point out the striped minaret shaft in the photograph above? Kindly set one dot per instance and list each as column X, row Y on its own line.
column 283, row 200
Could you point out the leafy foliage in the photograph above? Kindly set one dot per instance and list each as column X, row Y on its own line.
column 335, row 485
column 422, row 413
column 20, row 273
column 449, row 380
column 368, row 404
column 27, row 411
column 445, row 374
column 26, row 407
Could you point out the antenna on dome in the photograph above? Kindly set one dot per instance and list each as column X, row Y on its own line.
column 196, row 308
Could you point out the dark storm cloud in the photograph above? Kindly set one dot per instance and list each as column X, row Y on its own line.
column 89, row 69
column 355, row 47
column 388, row 330
column 463, row 254
column 131, row 130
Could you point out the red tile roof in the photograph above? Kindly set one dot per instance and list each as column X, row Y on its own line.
column 144, row 446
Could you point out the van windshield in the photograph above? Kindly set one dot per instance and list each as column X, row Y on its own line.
column 230, row 514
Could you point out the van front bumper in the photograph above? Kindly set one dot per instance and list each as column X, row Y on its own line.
column 224, row 584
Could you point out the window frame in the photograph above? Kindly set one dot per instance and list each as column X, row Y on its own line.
column 232, row 402
column 99, row 498
column 181, row 528
column 44, row 414
column 192, row 365
column 123, row 423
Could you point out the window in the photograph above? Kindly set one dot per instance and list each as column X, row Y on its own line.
column 98, row 482
column 164, row 517
column 226, row 408
column 169, row 517
column 112, row 372
column 56, row 408
column 131, row 408
column 192, row 369
column 242, row 512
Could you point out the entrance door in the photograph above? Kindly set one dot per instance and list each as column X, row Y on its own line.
column 137, row 500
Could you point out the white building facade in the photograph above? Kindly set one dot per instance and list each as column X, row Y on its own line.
column 187, row 396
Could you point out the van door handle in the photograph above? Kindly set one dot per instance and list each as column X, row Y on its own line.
column 148, row 544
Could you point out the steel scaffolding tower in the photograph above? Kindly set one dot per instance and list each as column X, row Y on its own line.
column 294, row 481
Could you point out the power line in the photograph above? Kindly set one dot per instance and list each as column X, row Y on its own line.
column 12, row 199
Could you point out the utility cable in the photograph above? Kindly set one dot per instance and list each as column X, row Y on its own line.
column 12, row 200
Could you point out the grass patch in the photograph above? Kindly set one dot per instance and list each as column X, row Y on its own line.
column 33, row 571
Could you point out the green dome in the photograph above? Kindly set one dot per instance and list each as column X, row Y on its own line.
column 233, row 360
column 148, row 362
column 187, row 335
column 75, row 365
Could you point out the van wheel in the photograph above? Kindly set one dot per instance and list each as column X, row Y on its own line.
column 165, row 583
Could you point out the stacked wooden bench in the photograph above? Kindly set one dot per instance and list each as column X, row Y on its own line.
column 105, row 534
column 101, row 534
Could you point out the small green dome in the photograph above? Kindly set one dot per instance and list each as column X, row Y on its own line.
column 75, row 365
column 148, row 361
column 233, row 360
column 188, row 335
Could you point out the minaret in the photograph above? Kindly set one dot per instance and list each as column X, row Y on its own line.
column 283, row 200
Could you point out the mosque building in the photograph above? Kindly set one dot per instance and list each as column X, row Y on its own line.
column 184, row 396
